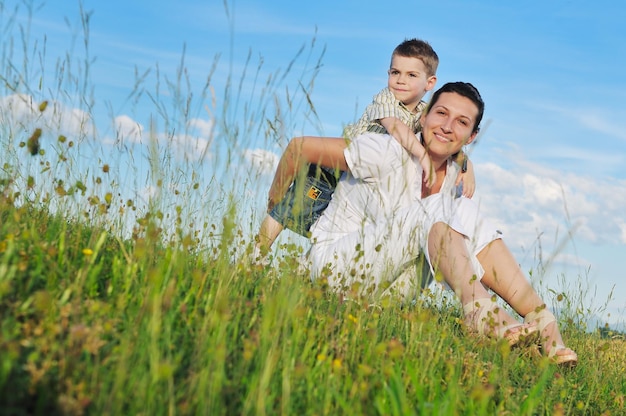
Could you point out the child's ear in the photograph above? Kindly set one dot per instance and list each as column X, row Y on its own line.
column 431, row 83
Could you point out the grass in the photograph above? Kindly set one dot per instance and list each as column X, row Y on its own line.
column 92, row 324
column 108, row 307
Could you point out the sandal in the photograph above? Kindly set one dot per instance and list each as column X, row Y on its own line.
column 481, row 318
column 542, row 317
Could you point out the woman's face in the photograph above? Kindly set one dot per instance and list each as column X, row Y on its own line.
column 449, row 125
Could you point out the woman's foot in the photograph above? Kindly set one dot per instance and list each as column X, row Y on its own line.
column 485, row 317
column 552, row 343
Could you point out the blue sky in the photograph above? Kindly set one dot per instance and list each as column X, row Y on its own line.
column 551, row 162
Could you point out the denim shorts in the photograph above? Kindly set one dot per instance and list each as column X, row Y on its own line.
column 305, row 200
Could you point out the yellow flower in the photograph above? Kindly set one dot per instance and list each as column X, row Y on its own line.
column 337, row 364
column 87, row 251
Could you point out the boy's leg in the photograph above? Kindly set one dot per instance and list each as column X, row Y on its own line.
column 268, row 232
column 305, row 200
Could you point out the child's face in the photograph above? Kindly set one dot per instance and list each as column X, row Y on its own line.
column 408, row 80
column 449, row 124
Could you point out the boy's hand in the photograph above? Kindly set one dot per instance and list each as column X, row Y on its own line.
column 469, row 180
column 429, row 173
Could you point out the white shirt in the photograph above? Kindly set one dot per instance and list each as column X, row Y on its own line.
column 382, row 179
column 376, row 226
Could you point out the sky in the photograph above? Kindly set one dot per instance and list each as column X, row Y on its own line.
column 550, row 162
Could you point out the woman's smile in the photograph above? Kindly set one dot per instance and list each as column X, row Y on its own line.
column 442, row 138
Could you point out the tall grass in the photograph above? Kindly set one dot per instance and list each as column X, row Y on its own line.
column 111, row 304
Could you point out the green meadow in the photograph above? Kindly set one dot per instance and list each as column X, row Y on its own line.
column 113, row 306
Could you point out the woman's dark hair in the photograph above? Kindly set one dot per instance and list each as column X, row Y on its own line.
column 464, row 89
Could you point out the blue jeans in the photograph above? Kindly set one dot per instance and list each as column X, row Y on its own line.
column 306, row 200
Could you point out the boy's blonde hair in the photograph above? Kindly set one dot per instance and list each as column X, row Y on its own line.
column 420, row 49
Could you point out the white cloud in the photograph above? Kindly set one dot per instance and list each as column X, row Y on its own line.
column 203, row 127
column 21, row 112
column 551, row 204
column 622, row 227
column 127, row 129
column 189, row 148
column 543, row 190
column 184, row 147
column 147, row 193
column 18, row 111
column 598, row 120
column 74, row 122
column 262, row 161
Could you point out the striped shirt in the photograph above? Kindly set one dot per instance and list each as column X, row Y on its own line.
column 384, row 105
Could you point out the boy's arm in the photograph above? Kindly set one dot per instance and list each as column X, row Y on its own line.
column 301, row 151
column 466, row 175
column 405, row 136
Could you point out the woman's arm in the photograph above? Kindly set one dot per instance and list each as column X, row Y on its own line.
column 301, row 151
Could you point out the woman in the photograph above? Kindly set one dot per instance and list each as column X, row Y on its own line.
column 382, row 218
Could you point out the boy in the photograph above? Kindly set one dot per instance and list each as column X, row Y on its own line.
column 395, row 110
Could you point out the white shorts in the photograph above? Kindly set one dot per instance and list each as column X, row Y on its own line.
column 378, row 256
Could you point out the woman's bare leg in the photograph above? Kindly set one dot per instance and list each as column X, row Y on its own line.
column 449, row 255
column 504, row 276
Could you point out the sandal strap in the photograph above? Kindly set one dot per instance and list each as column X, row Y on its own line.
column 484, row 321
column 570, row 359
column 541, row 316
column 555, row 349
column 482, row 308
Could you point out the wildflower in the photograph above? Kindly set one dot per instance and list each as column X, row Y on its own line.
column 87, row 251
column 33, row 142
column 337, row 364
column 395, row 348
